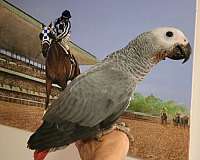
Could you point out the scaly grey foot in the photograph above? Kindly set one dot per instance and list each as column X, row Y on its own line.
column 121, row 126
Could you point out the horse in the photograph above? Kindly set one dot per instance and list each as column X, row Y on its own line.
column 185, row 120
column 163, row 118
column 61, row 67
column 177, row 120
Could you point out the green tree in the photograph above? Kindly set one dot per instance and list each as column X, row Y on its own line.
column 153, row 105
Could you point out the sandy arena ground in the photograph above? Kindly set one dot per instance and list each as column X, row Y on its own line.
column 152, row 141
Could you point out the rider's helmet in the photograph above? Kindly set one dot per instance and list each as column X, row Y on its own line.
column 66, row 14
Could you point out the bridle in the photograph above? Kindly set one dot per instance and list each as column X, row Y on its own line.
column 46, row 38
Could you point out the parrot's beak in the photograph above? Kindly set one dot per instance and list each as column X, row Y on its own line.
column 181, row 52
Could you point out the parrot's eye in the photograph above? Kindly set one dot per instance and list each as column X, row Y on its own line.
column 169, row 34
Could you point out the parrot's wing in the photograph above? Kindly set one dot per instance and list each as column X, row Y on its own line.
column 91, row 98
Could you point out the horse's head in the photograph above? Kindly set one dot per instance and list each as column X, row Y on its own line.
column 46, row 39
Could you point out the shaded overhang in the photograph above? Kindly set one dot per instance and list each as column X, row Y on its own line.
column 19, row 34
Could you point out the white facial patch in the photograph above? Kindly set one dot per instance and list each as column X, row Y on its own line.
column 168, row 36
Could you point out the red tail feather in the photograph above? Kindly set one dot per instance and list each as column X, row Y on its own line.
column 40, row 155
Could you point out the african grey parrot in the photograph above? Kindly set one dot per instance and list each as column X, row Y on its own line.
column 94, row 100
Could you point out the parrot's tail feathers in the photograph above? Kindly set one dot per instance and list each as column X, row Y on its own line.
column 40, row 154
column 55, row 136
column 49, row 136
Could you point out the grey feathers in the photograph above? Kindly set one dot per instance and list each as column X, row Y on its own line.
column 91, row 98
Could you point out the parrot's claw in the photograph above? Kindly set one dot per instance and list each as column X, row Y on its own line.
column 121, row 126
column 99, row 137
column 102, row 133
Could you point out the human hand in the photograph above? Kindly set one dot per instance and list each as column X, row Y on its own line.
column 112, row 146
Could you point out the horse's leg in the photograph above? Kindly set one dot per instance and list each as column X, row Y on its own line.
column 166, row 120
column 77, row 70
column 48, row 92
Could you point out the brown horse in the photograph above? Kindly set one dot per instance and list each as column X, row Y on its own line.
column 185, row 120
column 60, row 66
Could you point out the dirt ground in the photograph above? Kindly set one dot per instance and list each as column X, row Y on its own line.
column 152, row 141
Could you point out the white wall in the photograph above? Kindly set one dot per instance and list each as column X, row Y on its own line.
column 195, row 106
column 13, row 147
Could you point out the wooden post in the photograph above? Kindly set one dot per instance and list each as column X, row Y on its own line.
column 194, row 151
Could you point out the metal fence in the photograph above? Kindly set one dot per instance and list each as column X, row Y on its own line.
column 22, row 58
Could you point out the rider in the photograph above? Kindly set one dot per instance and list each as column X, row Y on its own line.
column 60, row 29
column 164, row 109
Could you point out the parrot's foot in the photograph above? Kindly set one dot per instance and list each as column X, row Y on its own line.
column 121, row 126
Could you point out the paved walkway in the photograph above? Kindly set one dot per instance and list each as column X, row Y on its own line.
column 13, row 146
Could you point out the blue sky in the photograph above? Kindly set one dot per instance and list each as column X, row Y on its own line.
column 104, row 26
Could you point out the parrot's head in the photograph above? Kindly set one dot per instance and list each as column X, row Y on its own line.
column 171, row 43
